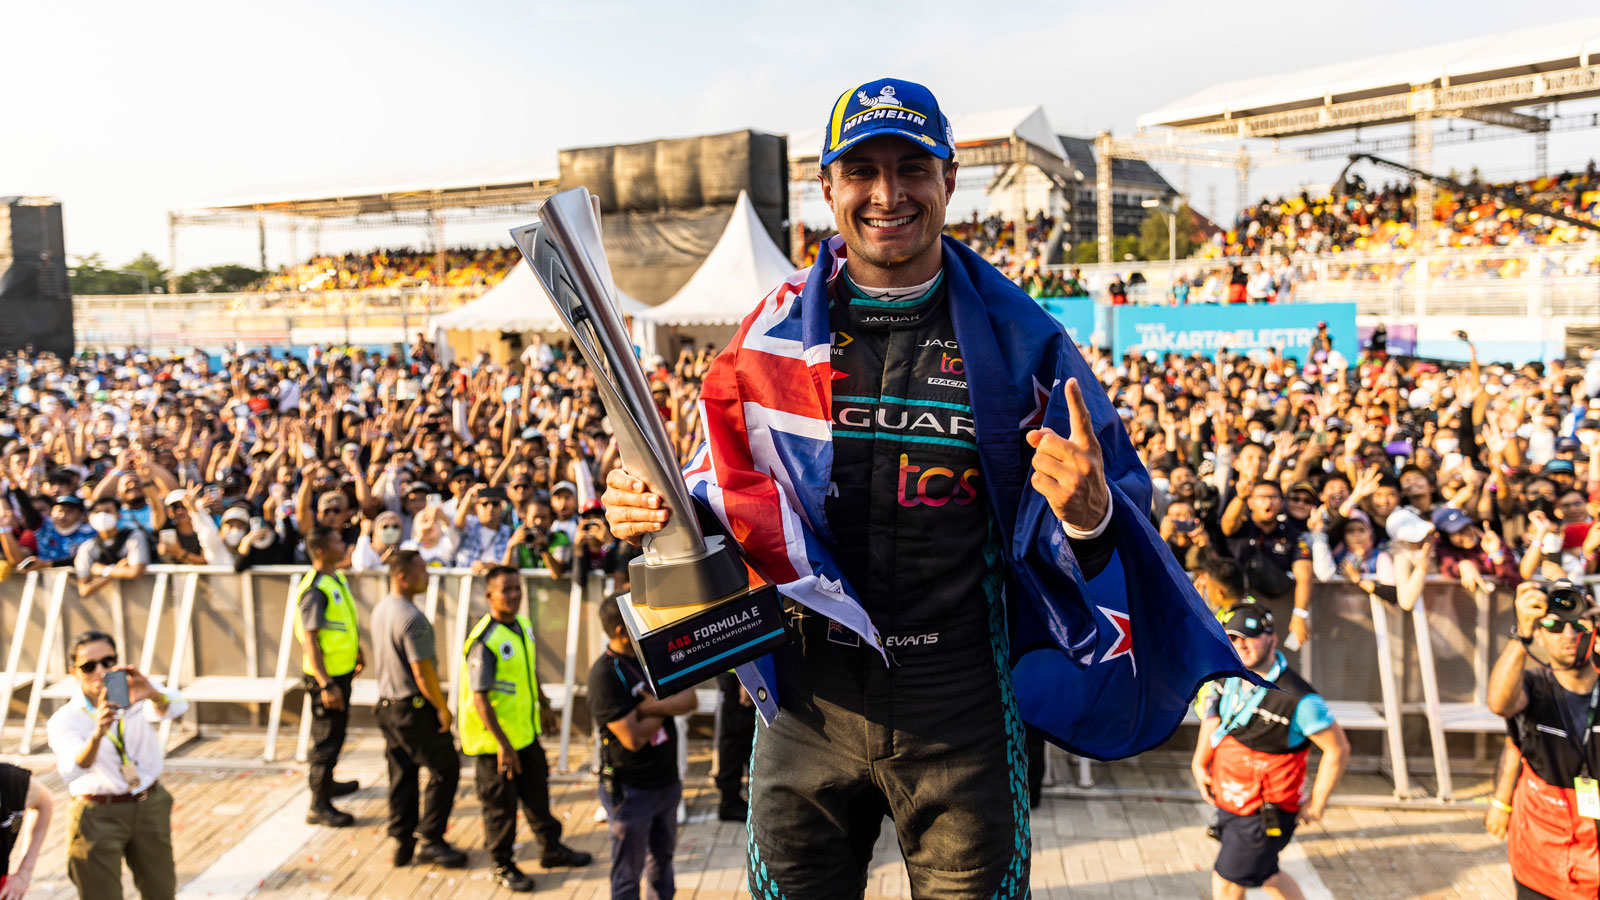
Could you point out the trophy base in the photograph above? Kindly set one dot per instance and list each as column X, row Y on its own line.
column 718, row 575
column 685, row 645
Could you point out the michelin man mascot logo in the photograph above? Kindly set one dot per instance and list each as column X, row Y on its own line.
column 885, row 98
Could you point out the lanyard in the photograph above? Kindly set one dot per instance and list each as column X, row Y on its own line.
column 1248, row 705
column 118, row 741
column 632, row 665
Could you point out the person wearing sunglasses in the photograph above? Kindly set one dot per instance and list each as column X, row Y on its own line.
column 111, row 759
column 1545, row 684
column 1250, row 759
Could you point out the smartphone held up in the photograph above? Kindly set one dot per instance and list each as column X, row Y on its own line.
column 116, row 684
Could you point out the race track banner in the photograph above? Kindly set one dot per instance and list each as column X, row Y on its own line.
column 1076, row 314
column 1209, row 329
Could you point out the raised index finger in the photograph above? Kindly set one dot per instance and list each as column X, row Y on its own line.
column 1078, row 418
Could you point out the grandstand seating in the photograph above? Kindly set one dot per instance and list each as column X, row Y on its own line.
column 1373, row 221
column 1386, row 218
column 393, row 268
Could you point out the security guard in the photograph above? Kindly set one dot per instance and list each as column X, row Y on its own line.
column 330, row 646
column 500, row 731
column 415, row 718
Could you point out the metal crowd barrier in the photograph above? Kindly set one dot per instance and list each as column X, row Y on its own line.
column 226, row 640
column 1415, row 678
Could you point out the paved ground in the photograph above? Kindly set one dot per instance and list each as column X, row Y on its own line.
column 239, row 832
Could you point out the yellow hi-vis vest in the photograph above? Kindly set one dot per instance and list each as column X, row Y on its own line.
column 339, row 636
column 515, row 695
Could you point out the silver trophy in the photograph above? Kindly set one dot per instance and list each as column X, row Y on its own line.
column 684, row 575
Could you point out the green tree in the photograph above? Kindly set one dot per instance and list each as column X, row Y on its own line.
column 92, row 276
column 1088, row 252
column 218, row 279
column 152, row 269
column 1153, row 234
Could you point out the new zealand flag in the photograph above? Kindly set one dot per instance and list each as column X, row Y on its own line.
column 1105, row 668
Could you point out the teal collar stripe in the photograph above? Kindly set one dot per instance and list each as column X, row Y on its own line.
column 907, row 438
column 859, row 297
column 938, row 404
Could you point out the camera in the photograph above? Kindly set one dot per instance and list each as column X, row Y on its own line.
column 1543, row 505
column 1565, row 599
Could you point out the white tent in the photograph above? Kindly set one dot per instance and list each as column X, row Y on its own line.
column 743, row 267
column 517, row 304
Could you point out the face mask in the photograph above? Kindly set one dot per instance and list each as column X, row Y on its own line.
column 7, row 429
column 1159, row 484
column 389, row 535
column 232, row 537
column 103, row 521
column 1258, row 436
column 1446, row 446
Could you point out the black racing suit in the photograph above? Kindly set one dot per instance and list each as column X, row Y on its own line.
column 934, row 740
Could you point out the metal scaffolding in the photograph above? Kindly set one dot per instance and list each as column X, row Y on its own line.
column 1508, row 88
column 429, row 209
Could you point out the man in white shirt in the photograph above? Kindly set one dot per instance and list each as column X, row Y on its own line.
column 1261, row 286
column 111, row 760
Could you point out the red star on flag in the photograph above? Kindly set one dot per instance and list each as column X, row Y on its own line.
column 1041, row 400
column 1123, row 644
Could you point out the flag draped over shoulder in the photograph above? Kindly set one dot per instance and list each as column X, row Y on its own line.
column 1105, row 668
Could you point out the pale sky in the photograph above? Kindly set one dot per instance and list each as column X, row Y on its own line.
column 124, row 111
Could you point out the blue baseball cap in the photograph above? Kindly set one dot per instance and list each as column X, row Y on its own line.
column 1450, row 520
column 887, row 106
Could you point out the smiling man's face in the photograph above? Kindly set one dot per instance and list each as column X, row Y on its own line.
column 888, row 198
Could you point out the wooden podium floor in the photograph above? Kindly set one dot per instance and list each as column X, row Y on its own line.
column 238, row 832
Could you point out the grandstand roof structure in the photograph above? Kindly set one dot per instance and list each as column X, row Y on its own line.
column 1488, row 74
column 496, row 188
column 425, row 199
column 1511, row 82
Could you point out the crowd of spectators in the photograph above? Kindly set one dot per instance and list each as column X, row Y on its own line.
column 109, row 463
column 395, row 268
column 1377, row 470
column 1282, row 235
column 1385, row 219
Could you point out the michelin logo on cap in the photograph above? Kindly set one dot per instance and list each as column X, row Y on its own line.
column 887, row 106
column 885, row 98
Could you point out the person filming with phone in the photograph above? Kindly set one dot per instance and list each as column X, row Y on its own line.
column 1546, row 687
column 110, row 756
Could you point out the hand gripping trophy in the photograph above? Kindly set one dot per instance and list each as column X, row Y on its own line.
column 696, row 608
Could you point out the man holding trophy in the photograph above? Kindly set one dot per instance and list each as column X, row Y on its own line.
column 915, row 455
